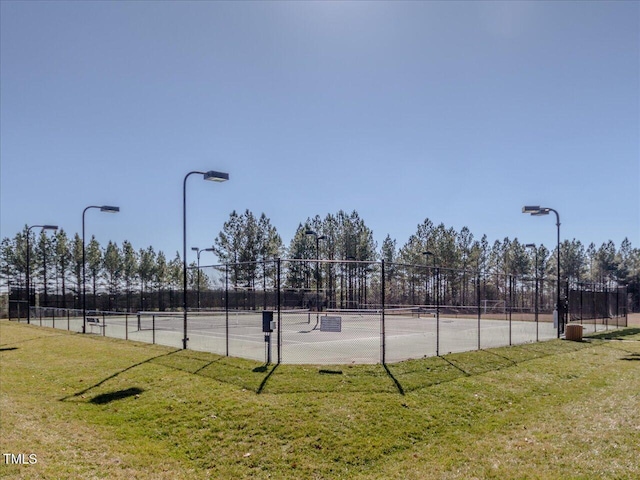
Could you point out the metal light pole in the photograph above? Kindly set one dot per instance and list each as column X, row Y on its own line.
column 318, row 238
column 44, row 227
column 106, row 209
column 535, row 249
column 198, row 251
column 538, row 211
column 214, row 177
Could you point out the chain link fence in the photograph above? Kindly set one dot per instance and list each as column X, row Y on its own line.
column 307, row 311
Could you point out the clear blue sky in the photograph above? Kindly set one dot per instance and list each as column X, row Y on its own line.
column 459, row 112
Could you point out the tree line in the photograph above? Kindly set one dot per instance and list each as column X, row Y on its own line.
column 249, row 243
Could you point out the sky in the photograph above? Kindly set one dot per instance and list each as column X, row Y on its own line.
column 460, row 112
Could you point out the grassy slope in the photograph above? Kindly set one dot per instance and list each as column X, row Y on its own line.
column 93, row 407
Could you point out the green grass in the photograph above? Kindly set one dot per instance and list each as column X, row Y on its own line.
column 94, row 407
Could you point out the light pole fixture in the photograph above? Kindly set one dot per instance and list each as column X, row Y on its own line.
column 535, row 249
column 318, row 238
column 214, row 177
column 537, row 211
column 105, row 209
column 198, row 251
column 44, row 227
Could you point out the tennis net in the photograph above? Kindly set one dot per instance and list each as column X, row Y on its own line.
column 217, row 319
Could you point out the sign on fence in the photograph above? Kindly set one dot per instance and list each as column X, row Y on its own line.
column 330, row 324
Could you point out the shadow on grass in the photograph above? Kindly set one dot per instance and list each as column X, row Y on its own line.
column 105, row 398
column 266, row 379
column 412, row 375
column 616, row 334
column 261, row 368
column 462, row 370
column 407, row 376
column 415, row 375
column 46, row 335
column 8, row 349
column 394, row 379
column 231, row 370
column 633, row 357
column 110, row 377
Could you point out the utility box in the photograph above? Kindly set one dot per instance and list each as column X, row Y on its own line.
column 267, row 321
column 573, row 332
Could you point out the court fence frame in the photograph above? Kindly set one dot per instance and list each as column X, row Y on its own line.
column 386, row 312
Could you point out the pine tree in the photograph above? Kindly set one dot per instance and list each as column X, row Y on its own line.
column 93, row 255
column 146, row 266
column 113, row 265
column 76, row 266
column 63, row 260
column 129, row 270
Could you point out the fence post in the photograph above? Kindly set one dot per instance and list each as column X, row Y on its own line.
column 625, row 306
column 536, row 309
column 478, row 301
column 595, row 307
column 226, row 308
column 581, row 287
column 606, row 308
column 437, row 311
column 264, row 283
column 278, row 301
column 617, row 304
column 382, row 326
column 510, row 305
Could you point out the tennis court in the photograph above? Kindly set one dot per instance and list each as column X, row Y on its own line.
column 303, row 336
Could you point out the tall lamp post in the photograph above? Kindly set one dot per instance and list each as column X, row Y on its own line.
column 105, row 209
column 198, row 251
column 535, row 249
column 318, row 238
column 538, row 211
column 44, row 227
column 211, row 176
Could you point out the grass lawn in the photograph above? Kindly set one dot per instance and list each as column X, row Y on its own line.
column 86, row 406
